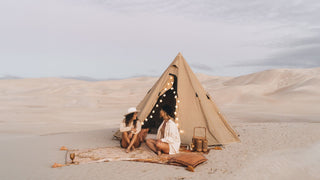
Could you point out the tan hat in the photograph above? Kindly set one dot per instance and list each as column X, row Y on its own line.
column 131, row 110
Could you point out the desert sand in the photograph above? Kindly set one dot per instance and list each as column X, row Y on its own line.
column 276, row 113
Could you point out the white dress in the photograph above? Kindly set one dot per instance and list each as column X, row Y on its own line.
column 171, row 136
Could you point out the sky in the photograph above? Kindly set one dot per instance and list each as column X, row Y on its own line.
column 111, row 39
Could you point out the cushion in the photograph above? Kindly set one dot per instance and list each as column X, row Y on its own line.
column 188, row 159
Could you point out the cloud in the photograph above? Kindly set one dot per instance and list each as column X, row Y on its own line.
column 300, row 57
column 201, row 67
column 308, row 41
column 288, row 11
column 115, row 39
column 296, row 40
column 292, row 52
column 305, row 57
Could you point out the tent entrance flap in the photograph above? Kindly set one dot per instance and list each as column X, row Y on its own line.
column 167, row 96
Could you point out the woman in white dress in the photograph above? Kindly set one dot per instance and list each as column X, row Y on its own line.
column 168, row 137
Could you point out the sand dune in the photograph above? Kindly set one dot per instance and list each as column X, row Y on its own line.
column 278, row 83
column 276, row 112
column 285, row 94
column 280, row 93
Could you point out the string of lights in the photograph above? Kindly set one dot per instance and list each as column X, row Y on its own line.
column 169, row 88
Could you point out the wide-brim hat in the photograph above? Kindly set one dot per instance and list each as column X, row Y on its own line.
column 132, row 110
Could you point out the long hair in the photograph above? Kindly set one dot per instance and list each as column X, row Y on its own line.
column 169, row 110
column 128, row 118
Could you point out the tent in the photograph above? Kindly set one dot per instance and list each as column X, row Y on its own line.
column 179, row 87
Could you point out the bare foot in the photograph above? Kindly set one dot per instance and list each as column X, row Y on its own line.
column 159, row 153
column 133, row 148
column 127, row 150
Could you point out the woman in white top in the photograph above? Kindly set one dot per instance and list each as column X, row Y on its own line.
column 168, row 137
column 130, row 128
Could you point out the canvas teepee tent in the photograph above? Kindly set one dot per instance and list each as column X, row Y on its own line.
column 179, row 87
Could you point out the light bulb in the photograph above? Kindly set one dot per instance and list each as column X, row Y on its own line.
column 176, row 107
column 177, row 119
column 175, row 113
column 171, row 82
column 170, row 77
column 175, row 97
column 164, row 95
column 146, row 119
column 151, row 116
column 174, row 92
column 172, row 88
column 161, row 100
column 157, row 105
column 178, row 101
column 142, row 123
column 168, row 84
column 165, row 89
column 153, row 111
column 181, row 131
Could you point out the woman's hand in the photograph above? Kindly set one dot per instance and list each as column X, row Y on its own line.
column 134, row 130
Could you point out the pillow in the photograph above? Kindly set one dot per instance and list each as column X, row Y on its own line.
column 188, row 159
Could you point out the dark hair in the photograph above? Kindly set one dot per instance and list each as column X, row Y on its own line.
column 128, row 118
column 169, row 110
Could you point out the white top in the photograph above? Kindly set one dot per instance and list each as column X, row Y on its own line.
column 171, row 136
column 124, row 128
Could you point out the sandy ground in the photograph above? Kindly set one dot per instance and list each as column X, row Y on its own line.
column 276, row 112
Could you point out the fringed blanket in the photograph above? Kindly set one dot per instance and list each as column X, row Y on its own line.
column 141, row 154
column 106, row 154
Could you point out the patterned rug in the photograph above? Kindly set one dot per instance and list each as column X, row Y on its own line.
column 141, row 154
column 107, row 154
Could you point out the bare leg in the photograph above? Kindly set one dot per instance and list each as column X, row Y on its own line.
column 151, row 143
column 162, row 147
column 125, row 141
column 140, row 134
column 136, row 143
column 157, row 147
column 130, row 135
column 125, row 136
column 143, row 134
column 131, row 143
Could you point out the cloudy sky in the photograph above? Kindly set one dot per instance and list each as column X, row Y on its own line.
column 110, row 39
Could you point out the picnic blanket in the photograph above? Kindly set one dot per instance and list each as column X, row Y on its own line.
column 141, row 154
column 107, row 154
